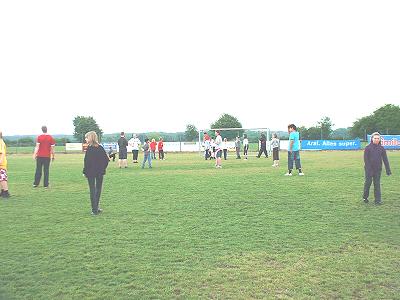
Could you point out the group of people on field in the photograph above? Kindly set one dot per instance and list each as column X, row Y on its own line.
column 210, row 147
column 96, row 160
column 149, row 150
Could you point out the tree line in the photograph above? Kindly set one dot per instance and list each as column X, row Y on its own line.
column 385, row 120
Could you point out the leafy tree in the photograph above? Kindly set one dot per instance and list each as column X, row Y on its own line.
column 191, row 133
column 385, row 119
column 325, row 125
column 228, row 121
column 83, row 125
column 341, row 134
column 26, row 141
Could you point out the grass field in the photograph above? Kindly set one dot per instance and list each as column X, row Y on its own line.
column 187, row 230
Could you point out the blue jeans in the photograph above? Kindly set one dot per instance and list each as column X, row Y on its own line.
column 294, row 156
column 147, row 157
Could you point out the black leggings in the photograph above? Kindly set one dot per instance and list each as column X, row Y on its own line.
column 95, row 185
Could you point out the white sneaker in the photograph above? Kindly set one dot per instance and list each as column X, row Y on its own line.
column 288, row 174
column 301, row 174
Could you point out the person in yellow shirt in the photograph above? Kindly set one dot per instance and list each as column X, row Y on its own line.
column 3, row 168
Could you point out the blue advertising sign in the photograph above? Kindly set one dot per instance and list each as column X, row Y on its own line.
column 388, row 141
column 330, row 145
column 107, row 146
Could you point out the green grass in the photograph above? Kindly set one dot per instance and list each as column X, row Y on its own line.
column 187, row 230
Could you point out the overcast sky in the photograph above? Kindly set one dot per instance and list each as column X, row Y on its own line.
column 160, row 65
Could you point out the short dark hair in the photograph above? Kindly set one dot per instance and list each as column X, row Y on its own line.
column 44, row 129
column 122, row 133
column 292, row 126
column 146, row 140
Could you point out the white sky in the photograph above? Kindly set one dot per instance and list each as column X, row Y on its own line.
column 160, row 65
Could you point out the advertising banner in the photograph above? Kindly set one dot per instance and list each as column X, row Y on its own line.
column 73, row 147
column 388, row 141
column 330, row 145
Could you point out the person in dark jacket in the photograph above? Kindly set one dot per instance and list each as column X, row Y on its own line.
column 263, row 146
column 95, row 164
column 374, row 154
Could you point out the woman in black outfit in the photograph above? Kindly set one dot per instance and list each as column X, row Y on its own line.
column 95, row 164
column 263, row 146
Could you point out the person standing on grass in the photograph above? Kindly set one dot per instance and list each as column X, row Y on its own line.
column 207, row 145
column 153, row 146
column 245, row 146
column 374, row 154
column 275, row 149
column 95, row 165
column 263, row 146
column 294, row 150
column 134, row 142
column 160, row 147
column 225, row 148
column 44, row 151
column 147, row 154
column 218, row 149
column 237, row 147
column 123, row 151
column 3, row 168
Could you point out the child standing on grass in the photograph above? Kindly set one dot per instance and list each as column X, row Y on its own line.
column 237, row 147
column 218, row 149
column 153, row 146
column 374, row 154
column 147, row 154
column 225, row 148
column 294, row 150
column 275, row 149
column 245, row 146
column 3, row 169
column 95, row 164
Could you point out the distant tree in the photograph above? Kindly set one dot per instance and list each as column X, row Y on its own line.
column 385, row 119
column 325, row 125
column 26, row 141
column 228, row 121
column 341, row 134
column 191, row 133
column 83, row 125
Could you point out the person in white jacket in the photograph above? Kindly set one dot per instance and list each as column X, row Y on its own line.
column 134, row 143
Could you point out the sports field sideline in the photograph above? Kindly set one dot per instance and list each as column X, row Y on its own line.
column 187, row 230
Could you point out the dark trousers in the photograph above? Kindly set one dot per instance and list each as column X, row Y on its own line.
column 135, row 154
column 225, row 153
column 261, row 151
column 294, row 156
column 376, row 178
column 245, row 150
column 95, row 185
column 42, row 163
column 153, row 154
column 207, row 154
column 237, row 152
column 161, row 154
column 275, row 153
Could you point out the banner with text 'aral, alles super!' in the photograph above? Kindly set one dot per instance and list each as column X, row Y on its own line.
column 330, row 145
column 388, row 141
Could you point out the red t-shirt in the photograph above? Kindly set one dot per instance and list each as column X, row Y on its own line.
column 153, row 146
column 160, row 145
column 45, row 142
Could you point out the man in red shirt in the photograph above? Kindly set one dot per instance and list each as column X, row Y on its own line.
column 160, row 147
column 44, row 150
